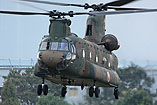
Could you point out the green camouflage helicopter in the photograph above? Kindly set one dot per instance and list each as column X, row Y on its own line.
column 66, row 59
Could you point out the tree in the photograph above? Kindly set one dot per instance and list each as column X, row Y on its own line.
column 50, row 99
column 132, row 77
column 9, row 94
column 136, row 97
column 26, row 85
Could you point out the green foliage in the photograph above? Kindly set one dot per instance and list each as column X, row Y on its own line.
column 9, row 93
column 50, row 99
column 26, row 85
column 134, row 77
column 135, row 97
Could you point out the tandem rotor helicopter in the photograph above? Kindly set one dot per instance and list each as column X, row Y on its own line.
column 66, row 59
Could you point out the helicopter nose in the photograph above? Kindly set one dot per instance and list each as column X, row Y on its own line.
column 52, row 58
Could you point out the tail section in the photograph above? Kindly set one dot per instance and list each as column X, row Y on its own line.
column 95, row 28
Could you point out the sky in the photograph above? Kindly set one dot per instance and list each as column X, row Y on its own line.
column 20, row 36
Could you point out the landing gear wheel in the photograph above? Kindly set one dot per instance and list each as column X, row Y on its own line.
column 97, row 92
column 91, row 91
column 116, row 93
column 45, row 89
column 42, row 88
column 39, row 90
column 64, row 91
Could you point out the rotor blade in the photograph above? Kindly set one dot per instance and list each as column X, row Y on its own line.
column 119, row 2
column 51, row 13
column 121, row 12
column 121, row 8
column 29, row 5
column 23, row 13
column 81, row 13
column 53, row 3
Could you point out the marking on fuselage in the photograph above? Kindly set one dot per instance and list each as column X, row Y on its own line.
column 108, row 77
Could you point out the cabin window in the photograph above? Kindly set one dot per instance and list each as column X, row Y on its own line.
column 109, row 64
column 90, row 55
column 103, row 60
column 97, row 58
column 89, row 30
column 83, row 53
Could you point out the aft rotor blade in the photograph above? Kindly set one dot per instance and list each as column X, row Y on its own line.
column 121, row 8
column 53, row 3
column 86, row 6
column 23, row 13
column 119, row 2
column 122, row 12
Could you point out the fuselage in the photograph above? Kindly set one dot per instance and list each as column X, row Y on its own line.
column 75, row 61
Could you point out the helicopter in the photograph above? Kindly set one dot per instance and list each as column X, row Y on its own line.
column 66, row 59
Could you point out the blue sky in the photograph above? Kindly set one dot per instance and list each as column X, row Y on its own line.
column 21, row 35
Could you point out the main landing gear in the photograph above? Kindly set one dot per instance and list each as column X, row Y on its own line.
column 93, row 90
column 42, row 88
column 116, row 93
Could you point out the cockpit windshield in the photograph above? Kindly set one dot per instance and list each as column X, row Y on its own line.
column 60, row 46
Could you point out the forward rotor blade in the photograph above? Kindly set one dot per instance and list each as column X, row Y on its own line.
column 53, row 3
column 121, row 8
column 121, row 12
column 23, row 13
column 119, row 2
column 29, row 5
column 81, row 13
column 51, row 13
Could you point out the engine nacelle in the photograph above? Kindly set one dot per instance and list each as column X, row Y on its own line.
column 110, row 42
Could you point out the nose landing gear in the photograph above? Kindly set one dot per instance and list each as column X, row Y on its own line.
column 39, row 90
column 42, row 88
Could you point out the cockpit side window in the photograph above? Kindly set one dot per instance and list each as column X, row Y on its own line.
column 43, row 46
column 73, row 49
